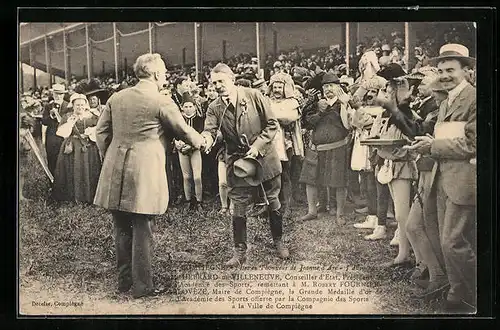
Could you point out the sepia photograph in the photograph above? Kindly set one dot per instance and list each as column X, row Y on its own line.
column 247, row 168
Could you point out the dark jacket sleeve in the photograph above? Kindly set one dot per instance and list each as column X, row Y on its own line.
column 312, row 117
column 406, row 122
column 46, row 120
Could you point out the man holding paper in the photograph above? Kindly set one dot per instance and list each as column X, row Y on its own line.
column 454, row 177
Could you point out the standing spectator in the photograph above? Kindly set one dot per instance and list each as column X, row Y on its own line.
column 189, row 158
column 330, row 138
column 288, row 139
column 78, row 164
column 454, row 177
column 51, row 117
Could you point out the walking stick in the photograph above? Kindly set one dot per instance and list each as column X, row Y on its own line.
column 38, row 154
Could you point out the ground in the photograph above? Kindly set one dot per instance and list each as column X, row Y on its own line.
column 66, row 253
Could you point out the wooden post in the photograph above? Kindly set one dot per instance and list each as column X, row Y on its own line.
column 34, row 78
column 31, row 59
column 21, row 77
column 115, row 42
column 47, row 61
column 66, row 70
column 196, row 51
column 347, row 47
column 407, row 45
column 150, row 34
column 183, row 57
column 103, row 67
column 87, row 43
column 257, row 43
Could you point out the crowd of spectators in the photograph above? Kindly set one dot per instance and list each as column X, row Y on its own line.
column 298, row 62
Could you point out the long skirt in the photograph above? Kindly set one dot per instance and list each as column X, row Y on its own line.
column 326, row 168
column 77, row 172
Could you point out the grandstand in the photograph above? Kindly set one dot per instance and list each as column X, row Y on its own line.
column 84, row 50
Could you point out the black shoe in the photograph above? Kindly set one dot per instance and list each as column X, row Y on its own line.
column 150, row 293
column 323, row 209
column 434, row 290
column 123, row 288
column 419, row 273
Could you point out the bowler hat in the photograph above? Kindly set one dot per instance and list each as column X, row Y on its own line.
column 249, row 169
column 453, row 51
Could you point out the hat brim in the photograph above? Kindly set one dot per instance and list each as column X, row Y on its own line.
column 59, row 92
column 259, row 173
column 470, row 61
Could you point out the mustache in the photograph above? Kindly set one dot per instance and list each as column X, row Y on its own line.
column 445, row 80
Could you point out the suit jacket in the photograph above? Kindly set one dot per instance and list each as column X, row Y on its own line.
column 130, row 135
column 255, row 119
column 453, row 154
column 52, row 124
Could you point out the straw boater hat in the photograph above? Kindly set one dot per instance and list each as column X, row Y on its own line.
column 59, row 89
column 250, row 170
column 453, row 51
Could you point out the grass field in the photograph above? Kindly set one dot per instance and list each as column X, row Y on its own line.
column 67, row 250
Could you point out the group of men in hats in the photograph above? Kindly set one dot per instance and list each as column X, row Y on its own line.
column 441, row 225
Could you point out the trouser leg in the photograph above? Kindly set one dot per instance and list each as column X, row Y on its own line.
column 123, row 246
column 457, row 229
column 383, row 196
column 142, row 272
column 285, row 193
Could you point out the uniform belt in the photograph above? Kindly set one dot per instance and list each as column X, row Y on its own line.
column 331, row 146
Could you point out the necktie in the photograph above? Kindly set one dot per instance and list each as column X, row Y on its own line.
column 230, row 106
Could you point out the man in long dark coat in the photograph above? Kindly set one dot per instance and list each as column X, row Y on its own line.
column 133, row 184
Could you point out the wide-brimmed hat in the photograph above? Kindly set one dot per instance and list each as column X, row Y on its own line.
column 58, row 88
column 392, row 71
column 453, row 51
column 329, row 78
column 249, row 169
column 386, row 47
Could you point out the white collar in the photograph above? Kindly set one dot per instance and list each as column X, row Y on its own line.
column 452, row 94
column 149, row 82
column 232, row 97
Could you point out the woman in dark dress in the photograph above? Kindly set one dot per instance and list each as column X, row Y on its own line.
column 79, row 164
column 326, row 162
